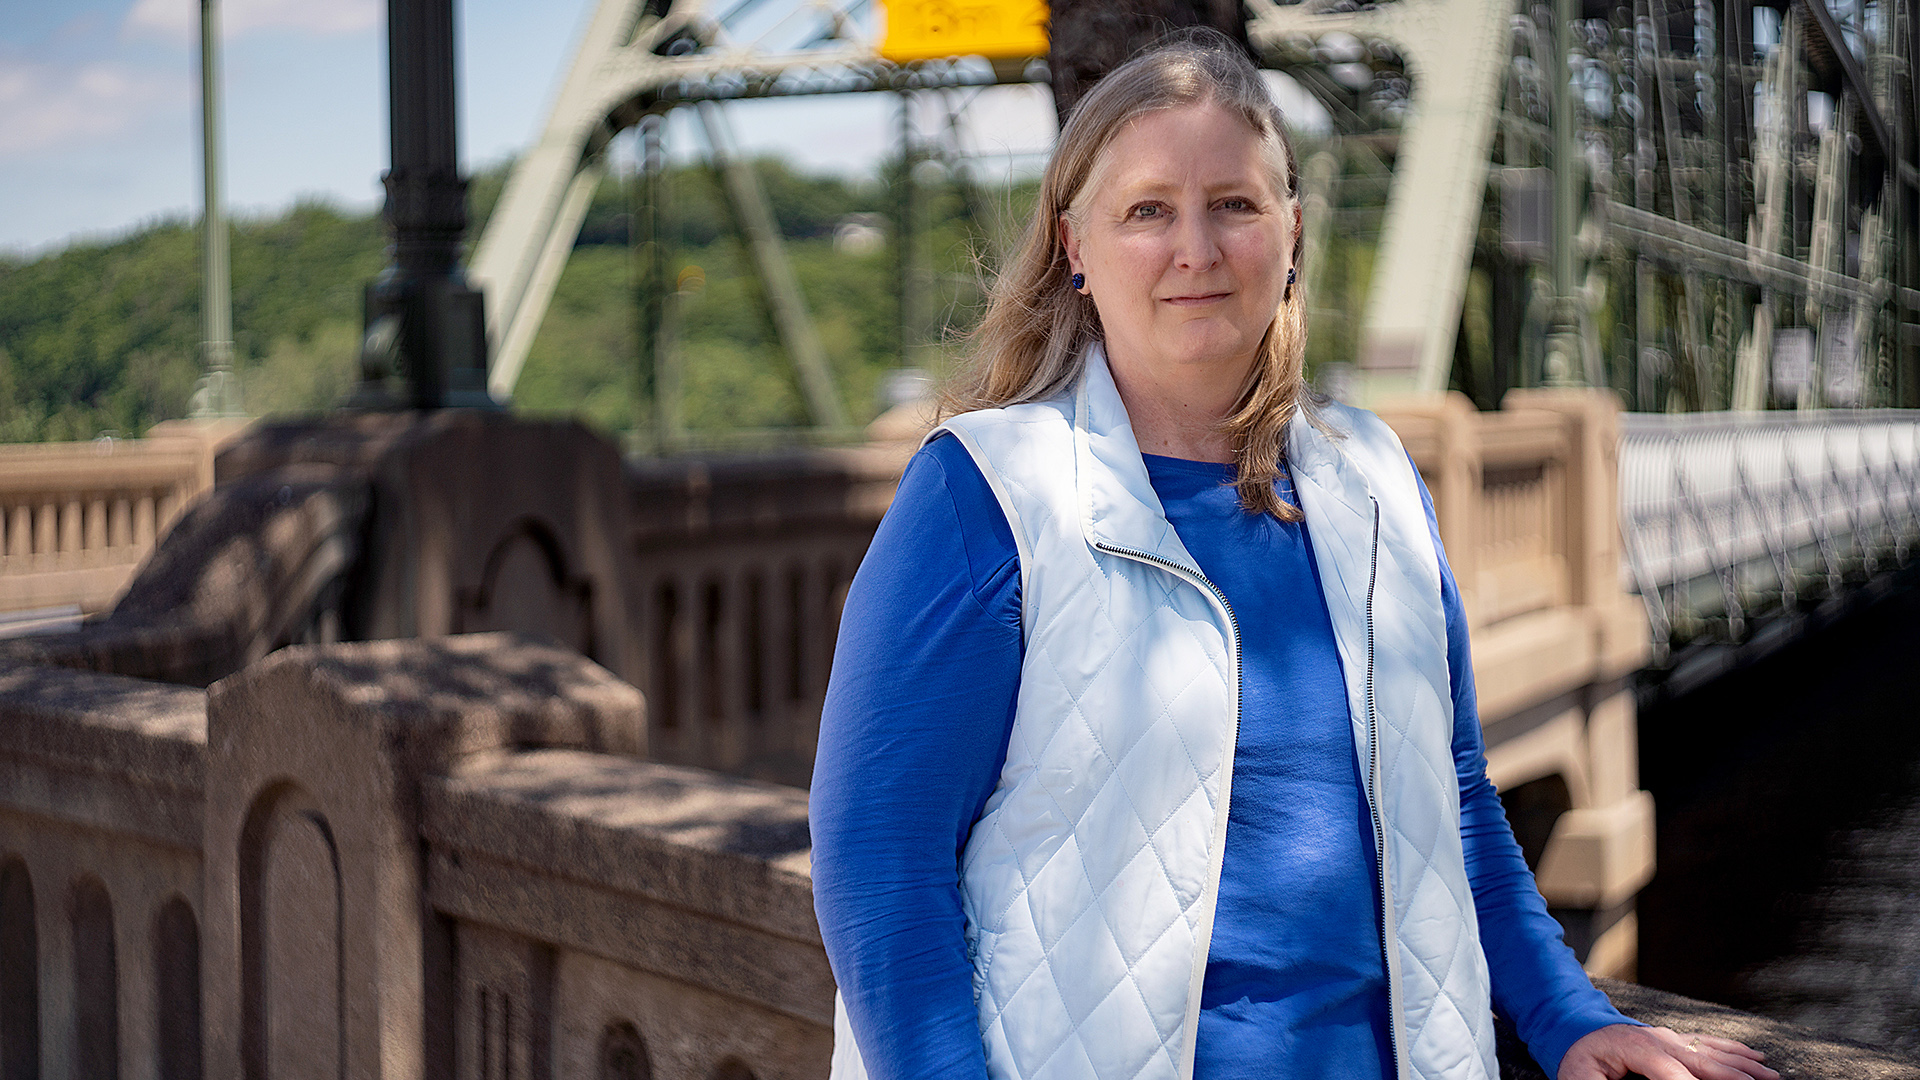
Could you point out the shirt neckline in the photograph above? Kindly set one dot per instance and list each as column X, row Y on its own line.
column 1189, row 465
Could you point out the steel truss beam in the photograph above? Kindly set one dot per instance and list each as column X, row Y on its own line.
column 1677, row 172
column 1681, row 134
column 1457, row 54
column 631, row 64
column 1834, row 60
column 1684, row 247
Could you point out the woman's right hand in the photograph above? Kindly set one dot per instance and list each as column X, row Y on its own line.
column 1658, row 1053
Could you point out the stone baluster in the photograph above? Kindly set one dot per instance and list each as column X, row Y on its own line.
column 46, row 532
column 120, row 523
column 71, row 527
column 95, row 514
column 146, row 523
column 729, row 661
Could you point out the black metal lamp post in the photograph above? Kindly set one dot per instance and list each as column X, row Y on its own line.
column 424, row 322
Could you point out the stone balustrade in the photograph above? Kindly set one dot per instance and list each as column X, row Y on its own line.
column 396, row 859
column 77, row 519
column 715, row 587
column 740, row 570
column 737, row 569
column 1526, row 503
column 433, row 858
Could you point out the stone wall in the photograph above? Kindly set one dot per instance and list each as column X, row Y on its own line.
column 433, row 859
column 397, row 859
column 102, row 784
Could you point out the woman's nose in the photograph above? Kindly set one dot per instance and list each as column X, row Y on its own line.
column 1195, row 246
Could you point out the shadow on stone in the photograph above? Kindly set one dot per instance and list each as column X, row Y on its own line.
column 1795, row 1052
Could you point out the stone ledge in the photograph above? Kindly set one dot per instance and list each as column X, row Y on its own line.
column 1795, row 1052
column 110, row 753
column 442, row 698
column 733, row 849
column 683, row 873
column 689, row 947
column 152, row 731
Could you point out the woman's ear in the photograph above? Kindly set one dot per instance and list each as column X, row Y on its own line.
column 1071, row 243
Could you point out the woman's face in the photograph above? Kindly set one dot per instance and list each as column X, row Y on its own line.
column 1185, row 244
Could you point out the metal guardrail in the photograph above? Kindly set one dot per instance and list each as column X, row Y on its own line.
column 1731, row 519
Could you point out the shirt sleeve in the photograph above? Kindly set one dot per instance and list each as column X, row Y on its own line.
column 913, row 736
column 1537, row 982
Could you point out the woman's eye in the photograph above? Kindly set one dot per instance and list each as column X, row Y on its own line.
column 1236, row 204
column 1147, row 211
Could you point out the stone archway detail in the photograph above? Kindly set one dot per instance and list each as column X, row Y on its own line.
column 292, row 940
column 527, row 585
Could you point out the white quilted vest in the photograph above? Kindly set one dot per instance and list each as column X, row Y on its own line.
column 1089, row 882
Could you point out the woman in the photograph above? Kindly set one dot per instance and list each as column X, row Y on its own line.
column 1150, row 749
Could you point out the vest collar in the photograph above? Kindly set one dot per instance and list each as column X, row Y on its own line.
column 1324, row 477
column 1118, row 505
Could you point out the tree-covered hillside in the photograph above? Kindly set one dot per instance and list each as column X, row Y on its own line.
column 104, row 336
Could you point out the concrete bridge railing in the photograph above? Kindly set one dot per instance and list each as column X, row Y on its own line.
column 741, row 567
column 1525, row 500
column 432, row 859
column 396, row 859
column 715, row 587
column 1736, row 520
column 78, row 519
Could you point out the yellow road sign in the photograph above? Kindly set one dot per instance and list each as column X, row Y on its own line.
column 995, row 29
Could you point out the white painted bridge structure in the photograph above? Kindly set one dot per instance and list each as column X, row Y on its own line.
column 1736, row 521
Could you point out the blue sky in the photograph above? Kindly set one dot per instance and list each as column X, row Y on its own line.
column 99, row 107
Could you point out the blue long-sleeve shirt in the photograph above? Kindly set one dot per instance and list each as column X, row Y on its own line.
column 914, row 737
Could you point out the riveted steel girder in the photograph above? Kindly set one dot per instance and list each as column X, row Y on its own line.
column 1457, row 53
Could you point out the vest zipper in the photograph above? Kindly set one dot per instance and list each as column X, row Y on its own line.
column 1194, row 575
column 1373, row 806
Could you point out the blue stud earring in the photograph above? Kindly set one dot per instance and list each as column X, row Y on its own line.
column 1079, row 282
column 1290, row 273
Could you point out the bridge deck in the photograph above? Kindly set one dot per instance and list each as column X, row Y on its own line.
column 1731, row 519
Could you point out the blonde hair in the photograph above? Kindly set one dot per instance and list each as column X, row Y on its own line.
column 1033, row 339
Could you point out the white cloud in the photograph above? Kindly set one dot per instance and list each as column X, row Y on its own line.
column 180, row 19
column 43, row 106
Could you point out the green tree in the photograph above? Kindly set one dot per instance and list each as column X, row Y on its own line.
column 105, row 334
